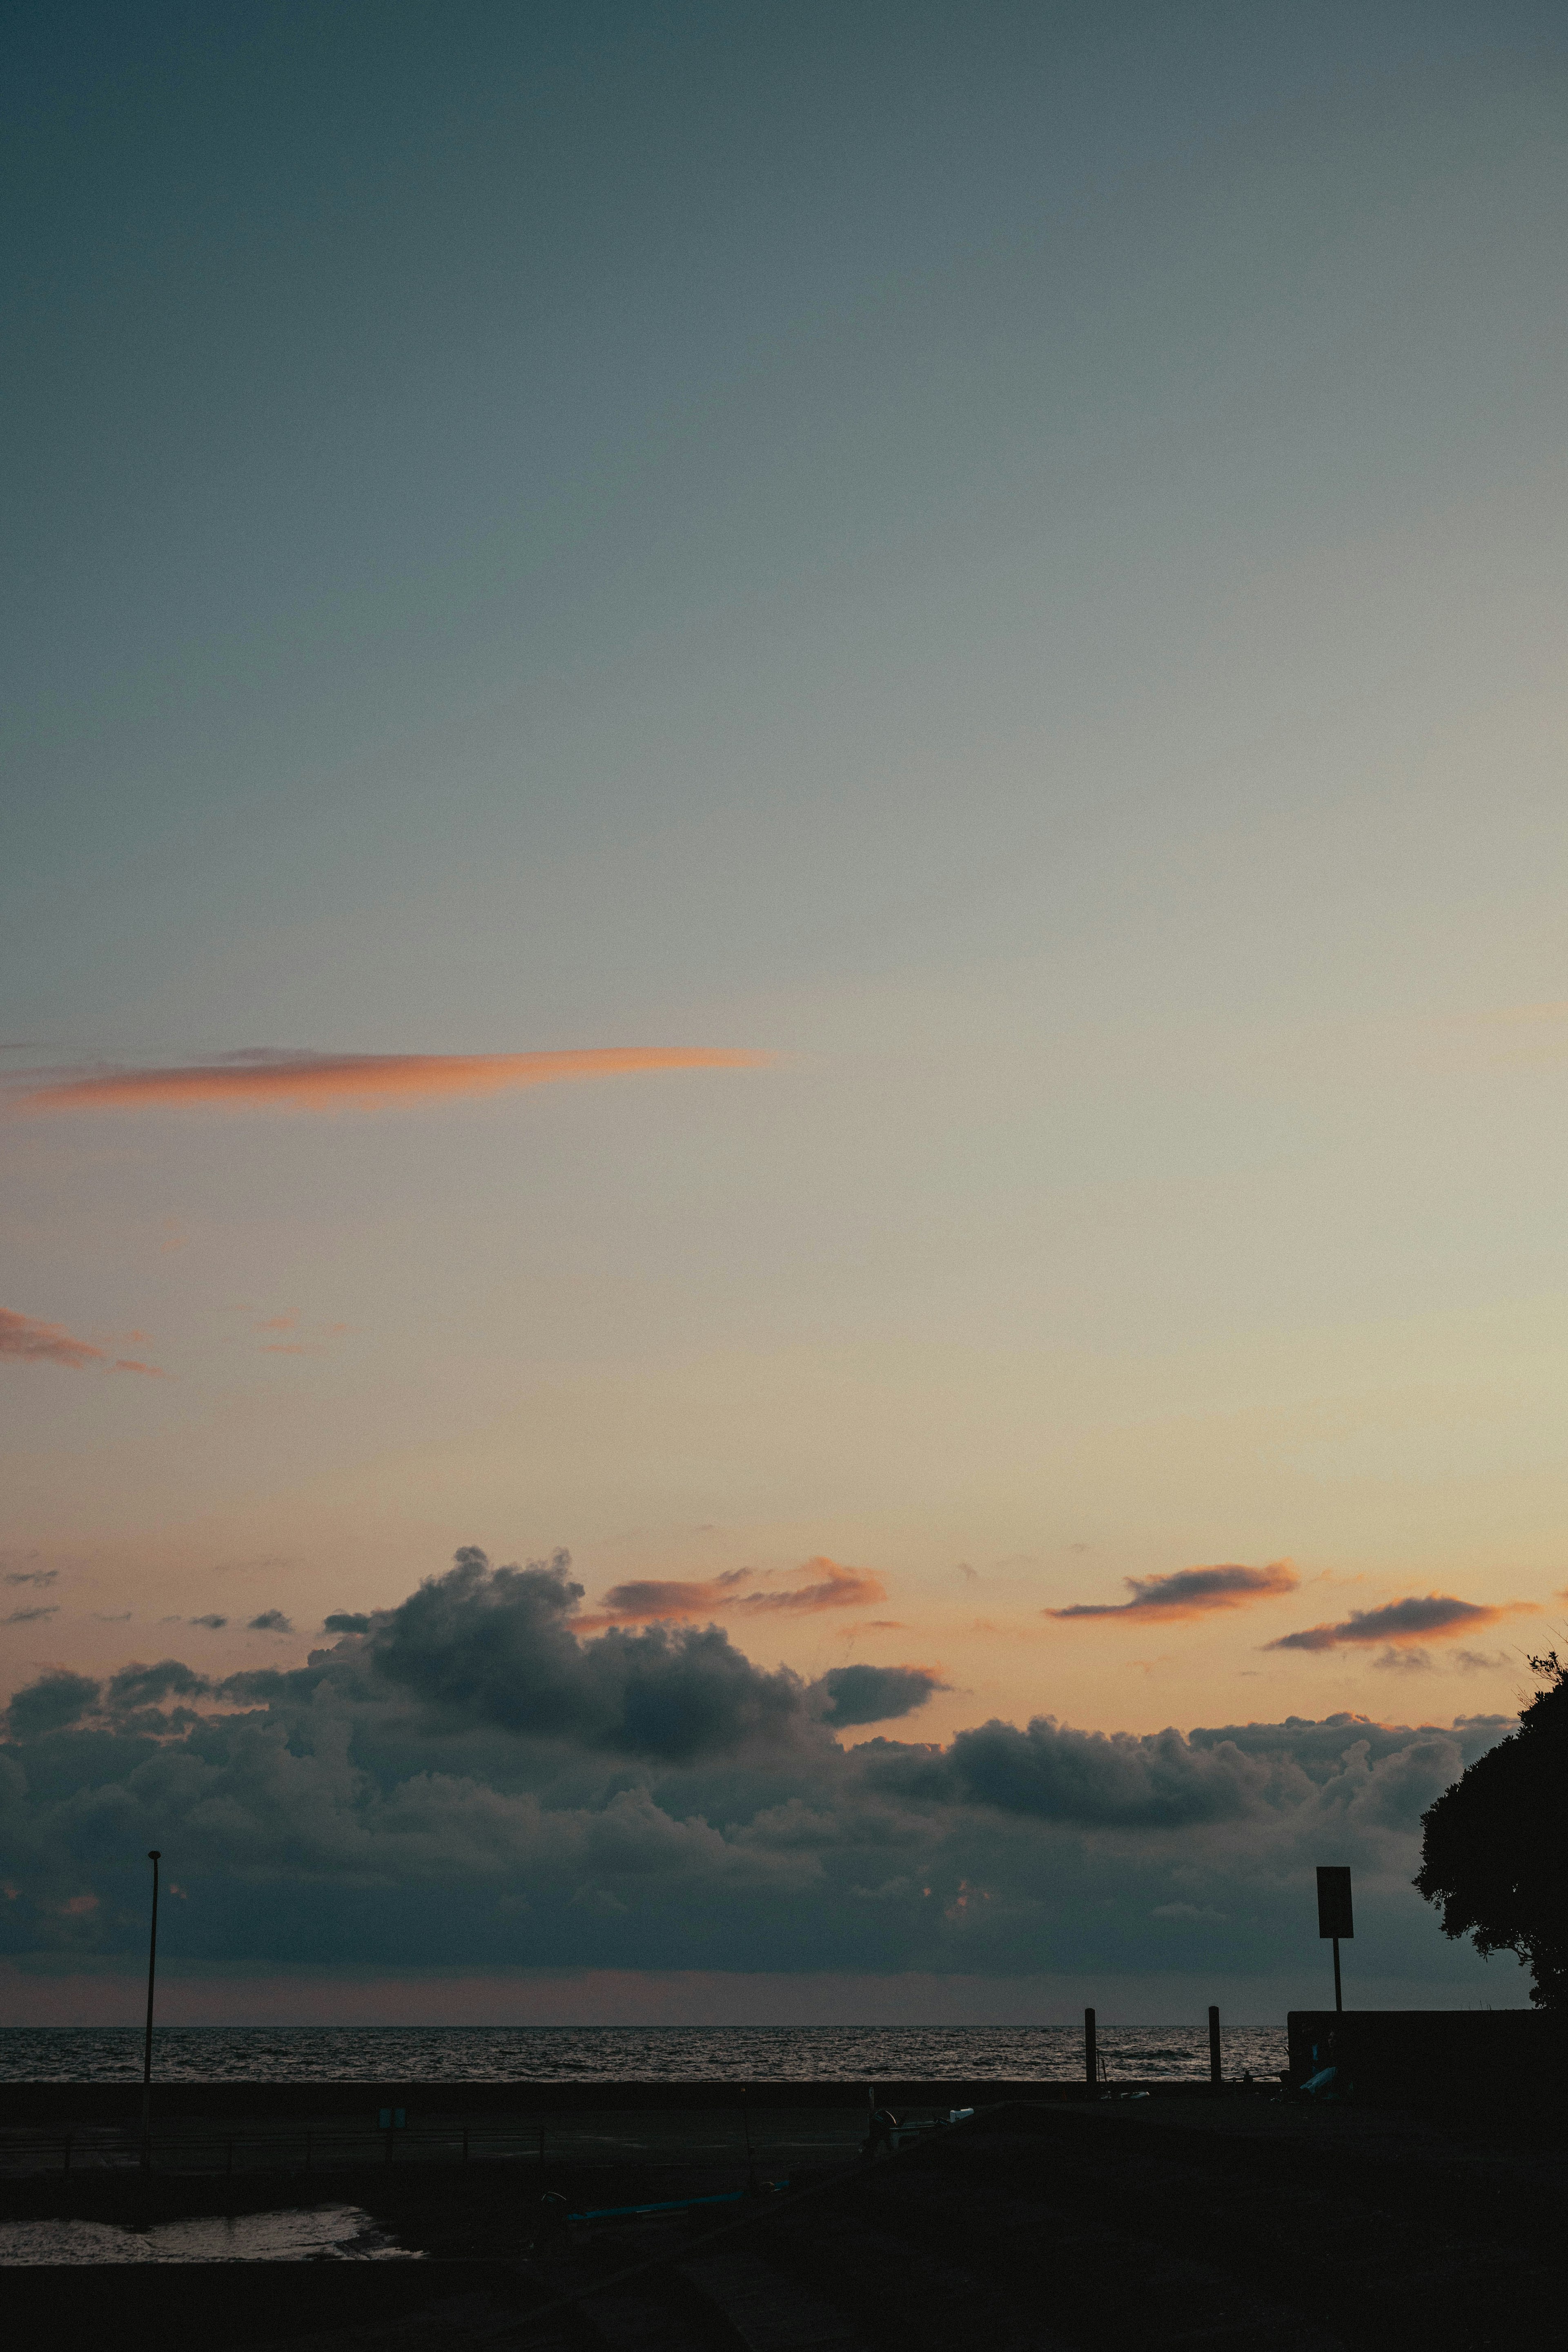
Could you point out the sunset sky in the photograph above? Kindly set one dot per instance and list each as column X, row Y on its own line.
column 784, row 804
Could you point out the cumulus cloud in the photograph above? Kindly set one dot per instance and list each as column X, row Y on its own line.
column 1434, row 1616
column 24, row 1341
column 346, row 1620
column 212, row 1621
column 497, row 1643
column 1190, row 1592
column 270, row 1621
column 827, row 1585
column 270, row 1078
column 474, row 1777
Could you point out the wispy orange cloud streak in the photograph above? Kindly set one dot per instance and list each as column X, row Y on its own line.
column 830, row 1587
column 263, row 1079
column 28, row 1341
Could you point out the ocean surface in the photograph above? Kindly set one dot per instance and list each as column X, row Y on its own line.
column 616, row 2053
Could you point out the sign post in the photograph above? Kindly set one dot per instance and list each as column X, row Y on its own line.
column 1334, row 1916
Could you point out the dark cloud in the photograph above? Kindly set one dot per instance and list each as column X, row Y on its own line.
column 56, row 1699
column 476, row 1781
column 1156, row 1780
column 38, row 1576
column 875, row 1693
column 139, row 1685
column 346, row 1620
column 270, row 1621
column 31, row 1616
column 212, row 1622
column 1191, row 1592
column 1420, row 1617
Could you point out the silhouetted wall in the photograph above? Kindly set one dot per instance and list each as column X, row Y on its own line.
column 1434, row 2057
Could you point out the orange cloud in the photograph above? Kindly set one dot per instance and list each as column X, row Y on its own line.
column 28, row 1341
column 263, row 1079
column 1190, row 1592
column 1423, row 1617
column 829, row 1587
column 835, row 1588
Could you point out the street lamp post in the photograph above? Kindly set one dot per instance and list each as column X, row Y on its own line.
column 153, row 1857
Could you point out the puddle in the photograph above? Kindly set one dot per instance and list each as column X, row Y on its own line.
column 320, row 2233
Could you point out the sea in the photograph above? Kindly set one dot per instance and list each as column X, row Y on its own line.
column 619, row 2053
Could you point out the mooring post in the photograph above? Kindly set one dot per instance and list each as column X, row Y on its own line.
column 1091, row 2056
column 153, row 1856
column 1217, row 2069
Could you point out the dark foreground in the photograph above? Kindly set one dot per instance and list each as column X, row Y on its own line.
column 1222, row 2223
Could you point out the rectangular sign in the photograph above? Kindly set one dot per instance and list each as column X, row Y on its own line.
column 1335, row 1904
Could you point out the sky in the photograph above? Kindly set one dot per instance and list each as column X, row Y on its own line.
column 781, row 854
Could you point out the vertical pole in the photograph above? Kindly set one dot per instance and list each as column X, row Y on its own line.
column 153, row 1856
column 1217, row 2069
column 1091, row 2059
column 1339, row 2004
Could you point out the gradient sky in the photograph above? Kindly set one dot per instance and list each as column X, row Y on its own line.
column 960, row 609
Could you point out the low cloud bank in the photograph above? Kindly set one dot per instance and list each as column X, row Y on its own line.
column 469, row 1779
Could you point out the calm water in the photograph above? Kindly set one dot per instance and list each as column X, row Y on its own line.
column 322, row 2233
column 622, row 2054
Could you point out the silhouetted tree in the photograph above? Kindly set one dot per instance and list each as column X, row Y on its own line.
column 1494, row 1847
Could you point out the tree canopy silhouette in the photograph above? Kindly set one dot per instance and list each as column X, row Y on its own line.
column 1494, row 1847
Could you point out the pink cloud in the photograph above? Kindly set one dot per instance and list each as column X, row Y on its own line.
column 26, row 1340
column 263, row 1078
